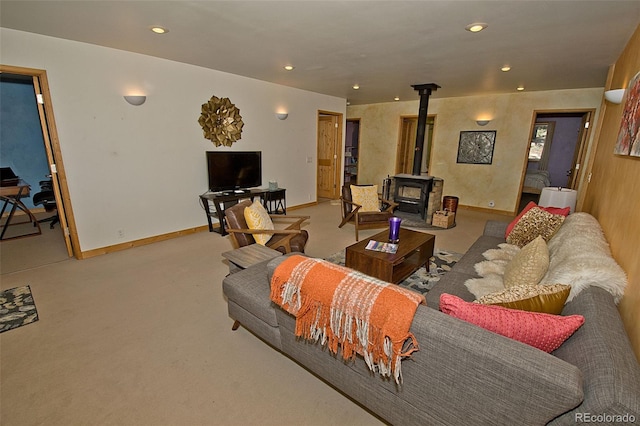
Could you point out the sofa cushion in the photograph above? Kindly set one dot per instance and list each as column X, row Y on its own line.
column 529, row 265
column 548, row 299
column 553, row 210
column 257, row 217
column 543, row 331
column 366, row 196
column 533, row 223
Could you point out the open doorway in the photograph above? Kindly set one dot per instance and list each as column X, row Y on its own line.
column 49, row 150
column 351, row 145
column 556, row 153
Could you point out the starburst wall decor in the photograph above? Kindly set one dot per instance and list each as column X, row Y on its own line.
column 221, row 121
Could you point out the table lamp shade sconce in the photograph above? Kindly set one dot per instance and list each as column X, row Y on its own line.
column 614, row 96
column 282, row 115
column 483, row 122
column 135, row 100
column 553, row 196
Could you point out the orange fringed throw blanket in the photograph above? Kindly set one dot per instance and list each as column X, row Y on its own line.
column 343, row 307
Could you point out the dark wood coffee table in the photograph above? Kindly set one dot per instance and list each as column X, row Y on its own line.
column 414, row 250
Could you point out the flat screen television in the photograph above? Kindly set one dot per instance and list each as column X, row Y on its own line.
column 233, row 170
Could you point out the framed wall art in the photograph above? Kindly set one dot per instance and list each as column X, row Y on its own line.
column 628, row 142
column 476, row 147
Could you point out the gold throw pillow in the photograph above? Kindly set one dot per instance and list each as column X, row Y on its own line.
column 534, row 223
column 367, row 197
column 258, row 218
column 529, row 265
column 548, row 299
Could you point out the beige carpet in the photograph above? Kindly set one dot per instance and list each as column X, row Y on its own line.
column 142, row 337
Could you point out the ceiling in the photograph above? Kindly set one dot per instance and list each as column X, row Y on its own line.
column 383, row 46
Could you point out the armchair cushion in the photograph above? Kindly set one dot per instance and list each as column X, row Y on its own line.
column 367, row 197
column 257, row 217
column 297, row 242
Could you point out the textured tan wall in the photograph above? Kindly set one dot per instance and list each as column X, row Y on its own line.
column 612, row 196
column 475, row 185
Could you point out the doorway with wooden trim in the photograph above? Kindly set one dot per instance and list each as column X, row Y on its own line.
column 407, row 141
column 53, row 153
column 329, row 146
column 557, row 152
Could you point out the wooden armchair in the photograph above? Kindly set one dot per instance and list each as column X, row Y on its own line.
column 287, row 240
column 364, row 220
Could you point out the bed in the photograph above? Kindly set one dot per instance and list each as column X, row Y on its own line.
column 535, row 180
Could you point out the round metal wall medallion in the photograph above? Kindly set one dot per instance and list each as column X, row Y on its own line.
column 221, row 121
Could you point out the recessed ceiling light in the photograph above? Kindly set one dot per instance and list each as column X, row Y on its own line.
column 159, row 30
column 476, row 27
column 505, row 68
column 289, row 67
column 356, row 87
column 520, row 88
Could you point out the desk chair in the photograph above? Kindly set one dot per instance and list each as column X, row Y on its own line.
column 47, row 198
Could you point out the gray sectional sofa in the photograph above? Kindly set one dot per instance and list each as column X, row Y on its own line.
column 464, row 374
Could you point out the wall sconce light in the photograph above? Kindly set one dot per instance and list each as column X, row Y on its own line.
column 614, row 96
column 135, row 100
column 482, row 122
column 282, row 115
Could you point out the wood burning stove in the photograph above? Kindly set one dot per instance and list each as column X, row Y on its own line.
column 412, row 190
column 412, row 193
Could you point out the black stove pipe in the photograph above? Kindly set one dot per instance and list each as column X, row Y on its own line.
column 425, row 91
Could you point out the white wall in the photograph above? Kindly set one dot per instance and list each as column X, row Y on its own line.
column 141, row 169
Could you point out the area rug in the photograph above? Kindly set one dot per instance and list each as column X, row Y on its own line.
column 411, row 220
column 423, row 279
column 17, row 308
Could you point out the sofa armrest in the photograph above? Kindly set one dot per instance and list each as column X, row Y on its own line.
column 494, row 228
column 464, row 372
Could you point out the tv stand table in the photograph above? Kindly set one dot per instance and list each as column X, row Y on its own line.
column 273, row 200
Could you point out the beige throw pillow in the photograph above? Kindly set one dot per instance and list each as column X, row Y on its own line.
column 534, row 223
column 529, row 265
column 258, row 218
column 548, row 299
column 367, row 197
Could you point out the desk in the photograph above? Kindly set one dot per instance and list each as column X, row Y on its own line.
column 10, row 195
column 221, row 201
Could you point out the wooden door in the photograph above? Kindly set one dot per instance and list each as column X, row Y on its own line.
column 48, row 124
column 54, row 154
column 579, row 154
column 407, row 143
column 329, row 132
